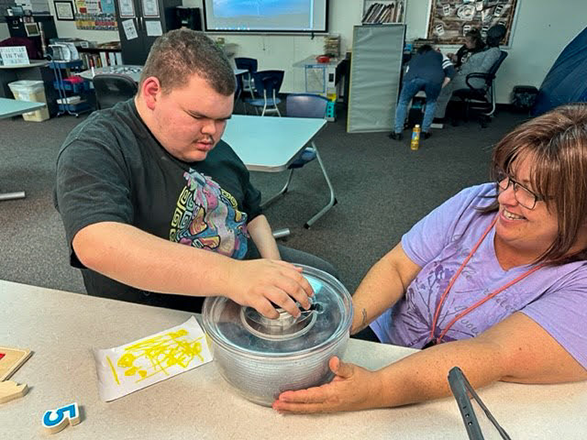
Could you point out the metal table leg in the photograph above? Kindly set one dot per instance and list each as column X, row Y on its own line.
column 12, row 196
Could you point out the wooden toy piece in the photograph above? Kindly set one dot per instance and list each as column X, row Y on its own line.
column 55, row 420
column 11, row 390
column 10, row 360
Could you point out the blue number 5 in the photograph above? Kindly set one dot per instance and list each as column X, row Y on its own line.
column 57, row 419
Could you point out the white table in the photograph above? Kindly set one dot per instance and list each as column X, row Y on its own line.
column 62, row 328
column 9, row 108
column 320, row 77
column 16, row 72
column 270, row 144
column 131, row 70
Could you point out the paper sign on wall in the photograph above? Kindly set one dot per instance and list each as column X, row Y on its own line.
column 129, row 29
column 130, row 367
column 154, row 28
column 14, row 55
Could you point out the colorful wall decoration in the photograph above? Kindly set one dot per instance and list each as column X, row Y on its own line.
column 451, row 20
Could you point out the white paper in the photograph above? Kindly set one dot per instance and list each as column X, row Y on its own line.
column 139, row 364
column 154, row 28
column 93, row 6
column 14, row 55
column 150, row 8
column 129, row 29
column 127, row 9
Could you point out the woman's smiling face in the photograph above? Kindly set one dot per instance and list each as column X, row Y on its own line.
column 528, row 231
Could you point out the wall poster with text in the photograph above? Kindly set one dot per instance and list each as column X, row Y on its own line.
column 450, row 20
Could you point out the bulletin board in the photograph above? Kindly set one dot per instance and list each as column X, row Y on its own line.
column 450, row 20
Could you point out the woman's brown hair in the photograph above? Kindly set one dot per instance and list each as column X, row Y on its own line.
column 557, row 144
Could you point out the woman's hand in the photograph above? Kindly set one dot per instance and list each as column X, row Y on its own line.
column 353, row 388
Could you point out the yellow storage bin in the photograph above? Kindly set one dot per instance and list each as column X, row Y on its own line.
column 32, row 91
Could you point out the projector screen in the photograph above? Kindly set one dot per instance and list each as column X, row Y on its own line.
column 266, row 16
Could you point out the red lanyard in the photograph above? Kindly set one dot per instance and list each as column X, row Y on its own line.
column 434, row 340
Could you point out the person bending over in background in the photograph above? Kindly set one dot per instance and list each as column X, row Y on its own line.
column 157, row 209
column 426, row 71
column 493, row 281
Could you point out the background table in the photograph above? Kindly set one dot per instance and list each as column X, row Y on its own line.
column 32, row 71
column 131, row 70
column 9, row 108
column 62, row 328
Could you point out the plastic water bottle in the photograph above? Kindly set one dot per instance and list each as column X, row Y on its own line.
column 415, row 137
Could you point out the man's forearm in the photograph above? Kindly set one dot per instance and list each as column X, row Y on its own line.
column 262, row 236
column 144, row 261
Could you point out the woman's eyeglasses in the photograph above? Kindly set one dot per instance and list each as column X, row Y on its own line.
column 523, row 195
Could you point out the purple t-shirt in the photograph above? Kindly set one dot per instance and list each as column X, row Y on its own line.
column 554, row 297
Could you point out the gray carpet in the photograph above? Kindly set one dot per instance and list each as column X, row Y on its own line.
column 381, row 185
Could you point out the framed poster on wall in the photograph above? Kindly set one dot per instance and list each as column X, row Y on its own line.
column 64, row 10
column 450, row 20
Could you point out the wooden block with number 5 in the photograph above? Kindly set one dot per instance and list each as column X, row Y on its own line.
column 55, row 420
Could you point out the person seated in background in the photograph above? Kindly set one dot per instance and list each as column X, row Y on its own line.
column 158, row 210
column 478, row 61
column 473, row 43
column 493, row 281
column 426, row 71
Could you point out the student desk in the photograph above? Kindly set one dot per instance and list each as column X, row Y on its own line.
column 270, row 144
column 62, row 328
column 9, row 108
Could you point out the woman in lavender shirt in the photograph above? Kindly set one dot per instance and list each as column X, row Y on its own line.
column 494, row 280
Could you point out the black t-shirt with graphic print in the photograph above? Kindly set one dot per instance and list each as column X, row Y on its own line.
column 111, row 168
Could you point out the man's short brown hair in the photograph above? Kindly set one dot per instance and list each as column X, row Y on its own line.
column 178, row 54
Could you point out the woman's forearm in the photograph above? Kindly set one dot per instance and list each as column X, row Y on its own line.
column 423, row 376
column 382, row 287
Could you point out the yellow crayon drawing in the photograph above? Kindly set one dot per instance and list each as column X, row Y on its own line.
column 155, row 355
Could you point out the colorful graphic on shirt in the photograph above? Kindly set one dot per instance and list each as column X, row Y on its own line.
column 207, row 217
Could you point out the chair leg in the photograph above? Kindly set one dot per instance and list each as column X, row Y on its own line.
column 281, row 233
column 332, row 201
column 280, row 193
column 493, row 105
column 275, row 103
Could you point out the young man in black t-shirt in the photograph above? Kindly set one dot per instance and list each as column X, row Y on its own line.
column 157, row 209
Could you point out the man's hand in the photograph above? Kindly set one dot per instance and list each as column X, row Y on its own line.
column 353, row 388
column 258, row 283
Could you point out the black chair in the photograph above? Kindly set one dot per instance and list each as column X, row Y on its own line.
column 481, row 99
column 267, row 85
column 305, row 105
column 112, row 88
column 245, row 82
